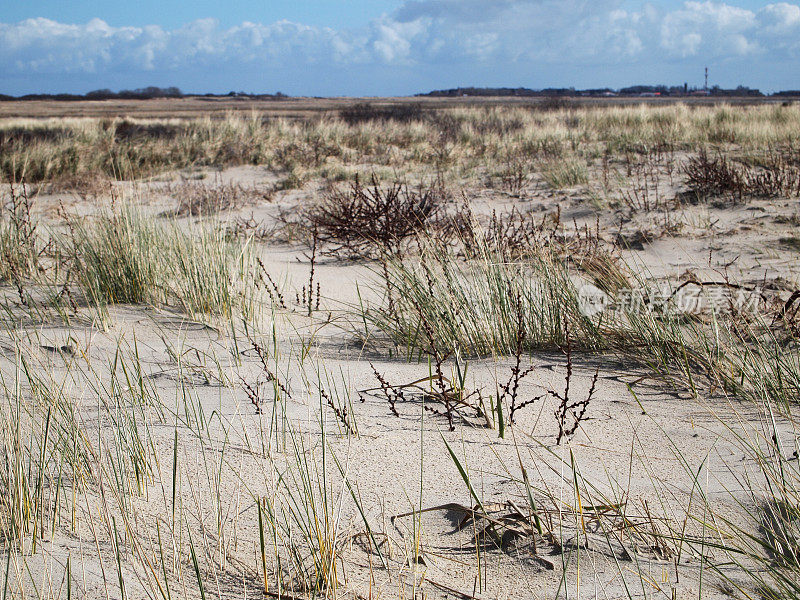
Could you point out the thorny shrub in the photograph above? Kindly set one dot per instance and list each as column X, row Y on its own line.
column 367, row 221
column 719, row 175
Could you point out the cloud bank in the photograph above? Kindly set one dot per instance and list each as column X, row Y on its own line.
column 516, row 39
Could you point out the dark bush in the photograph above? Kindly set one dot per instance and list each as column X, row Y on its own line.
column 555, row 103
column 29, row 135
column 366, row 221
column 721, row 176
column 127, row 130
column 365, row 112
column 711, row 176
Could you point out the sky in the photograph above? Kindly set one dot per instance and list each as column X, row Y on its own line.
column 394, row 47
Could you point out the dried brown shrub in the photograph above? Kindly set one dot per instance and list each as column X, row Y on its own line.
column 202, row 199
column 85, row 185
column 708, row 176
column 365, row 112
column 517, row 235
column 720, row 175
column 366, row 221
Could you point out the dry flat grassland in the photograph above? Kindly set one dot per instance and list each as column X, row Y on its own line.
column 298, row 107
column 319, row 349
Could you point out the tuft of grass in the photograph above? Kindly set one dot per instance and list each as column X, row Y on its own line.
column 560, row 174
column 119, row 257
column 124, row 257
column 790, row 241
column 477, row 307
column 302, row 516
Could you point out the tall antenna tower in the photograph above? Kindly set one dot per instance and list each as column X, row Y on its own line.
column 706, row 86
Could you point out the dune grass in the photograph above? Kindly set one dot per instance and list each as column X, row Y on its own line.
column 123, row 257
column 172, row 494
column 484, row 305
column 565, row 174
column 451, row 140
column 481, row 306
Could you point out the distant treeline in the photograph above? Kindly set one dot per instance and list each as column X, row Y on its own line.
column 147, row 93
column 635, row 90
column 152, row 92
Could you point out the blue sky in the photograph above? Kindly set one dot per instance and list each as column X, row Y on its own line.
column 394, row 47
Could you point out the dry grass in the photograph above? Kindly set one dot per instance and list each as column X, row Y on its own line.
column 453, row 139
column 233, row 478
column 198, row 198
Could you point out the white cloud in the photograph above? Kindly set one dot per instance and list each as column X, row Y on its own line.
column 397, row 42
column 432, row 33
column 47, row 46
column 779, row 19
column 712, row 28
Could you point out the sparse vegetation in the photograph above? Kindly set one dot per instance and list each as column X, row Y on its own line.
column 720, row 175
column 199, row 199
column 21, row 245
column 565, row 174
column 124, row 257
column 216, row 400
